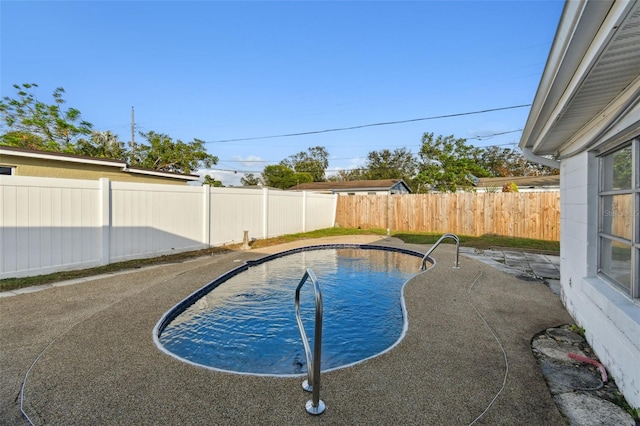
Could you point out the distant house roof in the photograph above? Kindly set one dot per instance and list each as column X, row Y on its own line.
column 352, row 186
column 521, row 181
column 104, row 162
column 270, row 188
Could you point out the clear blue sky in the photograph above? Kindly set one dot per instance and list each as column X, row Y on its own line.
column 217, row 70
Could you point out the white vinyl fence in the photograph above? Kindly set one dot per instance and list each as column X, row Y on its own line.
column 48, row 225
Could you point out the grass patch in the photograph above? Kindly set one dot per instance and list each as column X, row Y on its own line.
column 320, row 233
column 483, row 242
column 15, row 283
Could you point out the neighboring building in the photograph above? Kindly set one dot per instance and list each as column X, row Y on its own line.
column 359, row 187
column 586, row 113
column 270, row 188
column 28, row 162
column 524, row 183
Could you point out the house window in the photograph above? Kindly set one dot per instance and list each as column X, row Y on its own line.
column 6, row 170
column 619, row 231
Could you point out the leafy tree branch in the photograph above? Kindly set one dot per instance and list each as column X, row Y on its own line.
column 31, row 123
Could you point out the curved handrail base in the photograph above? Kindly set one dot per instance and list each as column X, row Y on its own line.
column 315, row 409
column 312, row 384
column 306, row 386
column 436, row 244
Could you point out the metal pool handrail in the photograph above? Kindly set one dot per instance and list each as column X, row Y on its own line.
column 312, row 383
column 437, row 243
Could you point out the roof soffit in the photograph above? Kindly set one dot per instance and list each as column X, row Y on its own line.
column 600, row 76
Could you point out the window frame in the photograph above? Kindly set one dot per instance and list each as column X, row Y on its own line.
column 633, row 291
column 12, row 170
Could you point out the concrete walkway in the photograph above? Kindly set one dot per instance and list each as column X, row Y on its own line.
column 521, row 264
column 83, row 354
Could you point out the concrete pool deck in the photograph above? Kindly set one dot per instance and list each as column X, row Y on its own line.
column 86, row 356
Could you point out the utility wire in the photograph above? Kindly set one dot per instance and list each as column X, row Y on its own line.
column 236, row 171
column 349, row 158
column 480, row 138
column 385, row 123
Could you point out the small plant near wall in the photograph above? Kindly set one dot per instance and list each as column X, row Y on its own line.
column 510, row 187
column 492, row 189
column 577, row 329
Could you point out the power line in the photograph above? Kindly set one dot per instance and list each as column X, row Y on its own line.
column 384, row 123
column 337, row 169
column 403, row 146
column 479, row 138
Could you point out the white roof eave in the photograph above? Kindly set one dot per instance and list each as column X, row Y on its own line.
column 54, row 157
column 585, row 29
column 161, row 174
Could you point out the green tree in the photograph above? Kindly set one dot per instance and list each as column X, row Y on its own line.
column 162, row 153
column 511, row 162
column 103, row 145
column 54, row 128
column 501, row 161
column 283, row 177
column 211, row 181
column 447, row 164
column 24, row 140
column 33, row 124
column 315, row 162
column 250, row 180
column 348, row 175
column 385, row 164
column 622, row 165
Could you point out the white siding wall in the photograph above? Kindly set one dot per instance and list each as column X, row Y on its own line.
column 353, row 193
column 611, row 320
column 49, row 225
column 520, row 189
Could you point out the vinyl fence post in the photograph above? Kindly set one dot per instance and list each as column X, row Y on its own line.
column 304, row 211
column 206, row 215
column 265, row 212
column 105, row 220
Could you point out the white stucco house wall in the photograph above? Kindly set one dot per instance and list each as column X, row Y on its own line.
column 586, row 114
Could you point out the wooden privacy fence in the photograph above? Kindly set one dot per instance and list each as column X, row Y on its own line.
column 517, row 214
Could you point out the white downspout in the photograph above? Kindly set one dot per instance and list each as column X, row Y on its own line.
column 529, row 155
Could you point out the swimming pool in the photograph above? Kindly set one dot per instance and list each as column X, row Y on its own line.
column 244, row 321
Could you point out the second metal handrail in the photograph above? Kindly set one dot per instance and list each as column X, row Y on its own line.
column 312, row 383
column 433, row 247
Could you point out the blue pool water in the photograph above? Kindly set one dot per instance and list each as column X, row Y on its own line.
column 247, row 324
